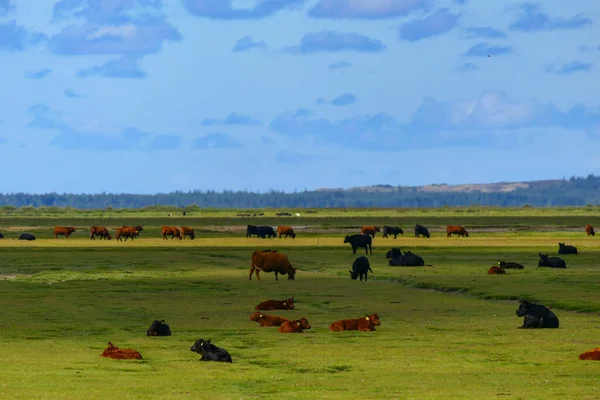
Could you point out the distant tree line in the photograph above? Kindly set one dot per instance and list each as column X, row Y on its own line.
column 577, row 191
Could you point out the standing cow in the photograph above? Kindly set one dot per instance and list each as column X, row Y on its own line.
column 420, row 230
column 264, row 231
column 286, row 230
column 63, row 231
column 392, row 230
column 457, row 230
column 271, row 261
column 360, row 267
column 100, row 231
column 369, row 230
column 589, row 230
column 357, row 241
column 172, row 231
column 185, row 231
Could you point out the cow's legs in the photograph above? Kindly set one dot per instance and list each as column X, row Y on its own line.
column 251, row 271
column 276, row 275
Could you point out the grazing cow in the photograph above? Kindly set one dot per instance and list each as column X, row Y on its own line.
column 552, row 262
column 287, row 304
column 364, row 324
column 536, row 316
column 589, row 230
column 264, row 231
column 251, row 230
column 369, row 230
column 360, row 267
column 285, row 230
column 510, row 265
column 63, row 231
column 593, row 355
column 421, row 230
column 26, row 236
column 357, row 241
column 185, row 231
column 265, row 320
column 296, row 326
column 159, row 328
column 457, row 230
column 113, row 351
column 408, row 259
column 210, row 352
column 495, row 270
column 172, row 231
column 128, row 232
column 271, row 261
column 1, row 236
column 100, row 231
column 566, row 249
column 392, row 230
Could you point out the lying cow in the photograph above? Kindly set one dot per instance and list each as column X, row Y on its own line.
column 364, row 324
column 265, row 320
column 593, row 354
column 360, row 267
column 566, row 249
column 287, row 304
column 420, row 230
column 271, row 261
column 113, row 351
column 509, row 265
column 210, row 352
column 296, row 326
column 536, row 316
column 26, row 236
column 357, row 241
column 408, row 259
column 392, row 230
column 551, row 262
column 159, row 328
column 495, row 270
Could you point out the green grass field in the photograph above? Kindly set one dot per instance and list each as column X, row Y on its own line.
column 449, row 331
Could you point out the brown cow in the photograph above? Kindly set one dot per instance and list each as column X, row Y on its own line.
column 185, row 231
column 287, row 304
column 589, row 230
column 593, row 354
column 173, row 231
column 296, row 326
column 99, row 231
column 267, row 320
column 271, row 261
column 369, row 230
column 457, row 230
column 127, row 232
column 285, row 230
column 364, row 324
column 495, row 270
column 63, row 230
column 113, row 351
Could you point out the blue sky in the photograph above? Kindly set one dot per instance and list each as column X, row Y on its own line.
column 146, row 96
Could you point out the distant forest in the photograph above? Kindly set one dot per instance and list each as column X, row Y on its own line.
column 577, row 191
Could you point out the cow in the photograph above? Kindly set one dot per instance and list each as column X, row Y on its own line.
column 364, row 324
column 392, row 230
column 287, row 304
column 264, row 231
column 185, row 231
column 552, row 262
column 420, row 230
column 369, row 230
column 26, row 236
column 360, row 267
column 536, row 316
column 296, row 326
column 566, row 249
column 589, row 230
column 495, row 270
column 100, row 231
column 510, row 265
column 285, row 230
column 408, row 259
column 357, row 241
column 457, row 230
column 210, row 352
column 129, row 232
column 271, row 261
column 265, row 320
column 1, row 236
column 159, row 328
column 113, row 351
column 593, row 355
column 172, row 231
column 251, row 230
column 63, row 231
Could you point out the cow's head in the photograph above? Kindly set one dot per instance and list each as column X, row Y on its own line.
column 291, row 273
column 109, row 237
column 466, row 232
column 374, row 318
column 561, row 246
column 71, row 229
column 543, row 260
column 401, row 231
column 353, row 275
column 199, row 345
column 393, row 253
column 502, row 264
column 377, row 229
column 177, row 233
column 302, row 323
column 256, row 316
column 523, row 308
column 289, row 303
column 293, row 235
column 347, row 239
column 111, row 347
column 138, row 228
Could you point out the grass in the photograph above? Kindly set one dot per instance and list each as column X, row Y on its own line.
column 448, row 331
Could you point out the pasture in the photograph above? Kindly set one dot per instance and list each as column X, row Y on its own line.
column 449, row 331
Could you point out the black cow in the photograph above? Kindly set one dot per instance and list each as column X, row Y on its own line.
column 408, row 259
column 566, row 249
column 264, row 231
column 26, row 236
column 552, row 262
column 360, row 267
column 357, row 241
column 251, row 230
column 1, row 236
column 421, row 230
column 159, row 328
column 210, row 352
column 509, row 265
column 392, row 230
column 536, row 316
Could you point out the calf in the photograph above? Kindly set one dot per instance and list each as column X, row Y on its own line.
column 566, row 249
column 276, row 305
column 364, row 324
column 357, row 241
column 210, row 352
column 552, row 262
column 113, row 351
column 509, row 265
column 296, row 326
column 495, row 270
column 593, row 354
column 267, row 320
column 360, row 267
column 536, row 316
column 392, row 230
column 159, row 328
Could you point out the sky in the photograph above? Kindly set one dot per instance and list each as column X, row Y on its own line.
column 148, row 96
